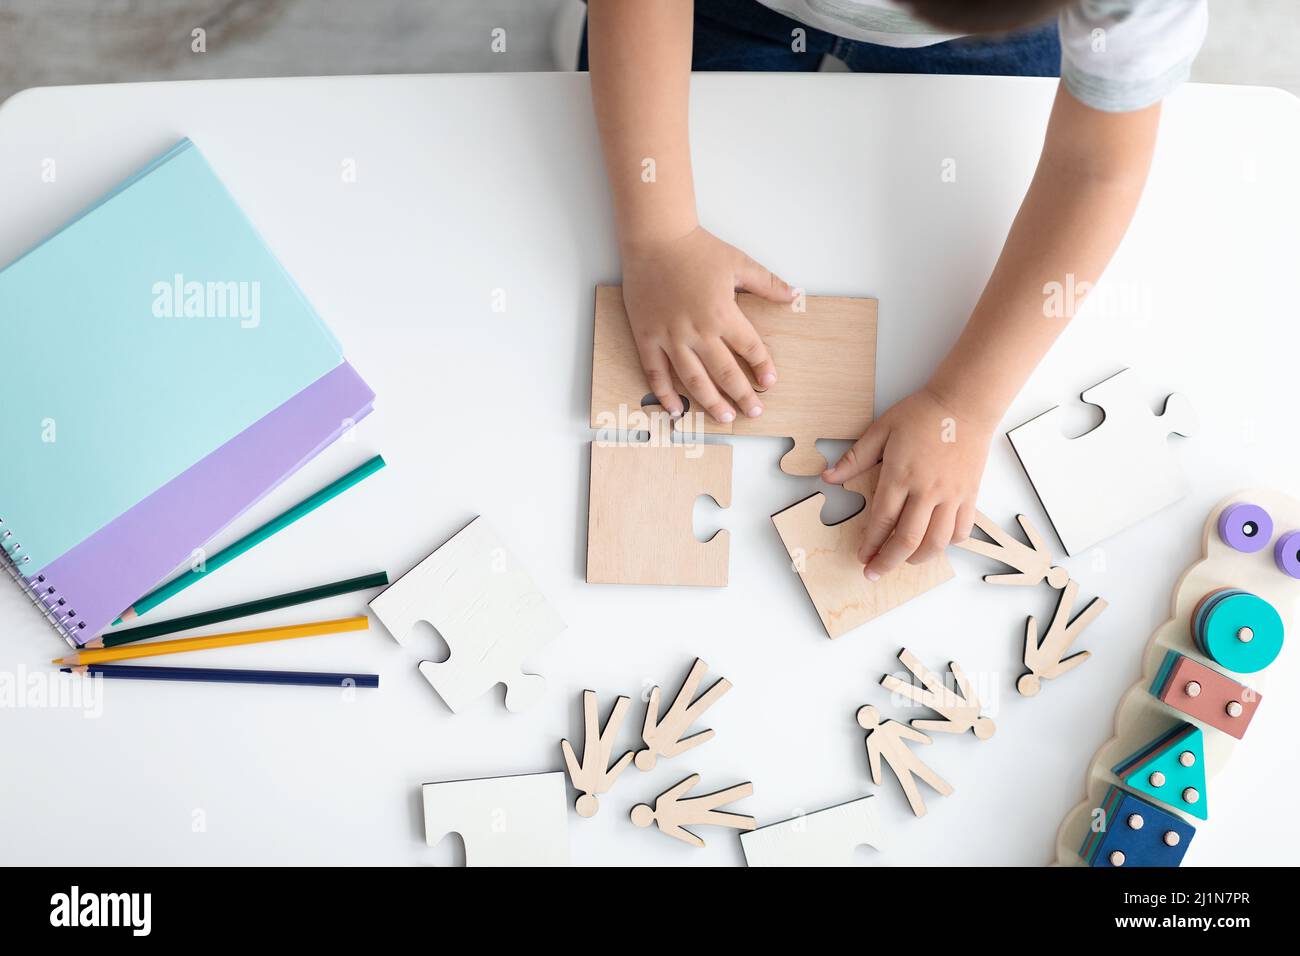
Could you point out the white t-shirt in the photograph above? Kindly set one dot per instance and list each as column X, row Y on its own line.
column 1116, row 55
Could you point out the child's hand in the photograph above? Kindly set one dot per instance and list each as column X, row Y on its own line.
column 680, row 296
column 933, row 461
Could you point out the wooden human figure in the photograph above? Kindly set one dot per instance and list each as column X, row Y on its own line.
column 1032, row 561
column 1048, row 659
column 673, row 810
column 960, row 708
column 888, row 740
column 595, row 775
column 665, row 737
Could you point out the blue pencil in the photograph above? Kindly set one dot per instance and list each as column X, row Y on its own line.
column 220, row 675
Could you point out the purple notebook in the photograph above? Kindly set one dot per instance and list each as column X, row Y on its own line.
column 86, row 588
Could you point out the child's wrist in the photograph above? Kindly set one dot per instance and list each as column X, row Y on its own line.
column 967, row 400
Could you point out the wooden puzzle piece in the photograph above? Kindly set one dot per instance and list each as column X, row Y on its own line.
column 823, row 838
column 639, row 520
column 1204, row 694
column 960, row 708
column 504, row 821
column 1048, row 659
column 825, row 356
column 1032, row 561
column 666, row 737
column 485, row 606
column 1171, row 769
column 826, row 559
column 673, row 810
column 594, row 775
column 887, row 740
column 1129, row 831
column 1112, row 477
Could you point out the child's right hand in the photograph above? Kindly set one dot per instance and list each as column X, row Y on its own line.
column 680, row 296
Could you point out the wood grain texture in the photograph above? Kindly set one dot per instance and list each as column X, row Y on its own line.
column 594, row 775
column 825, row 359
column 1048, row 658
column 826, row 559
column 666, row 736
column 1032, row 561
column 673, row 810
column 960, row 707
column 887, row 743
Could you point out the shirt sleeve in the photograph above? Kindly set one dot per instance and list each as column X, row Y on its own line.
column 1121, row 55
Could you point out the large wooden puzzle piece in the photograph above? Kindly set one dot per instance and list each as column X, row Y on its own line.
column 1110, row 478
column 822, row 838
column 487, row 609
column 1145, row 710
column 504, row 821
column 826, row 559
column 825, row 358
column 639, row 518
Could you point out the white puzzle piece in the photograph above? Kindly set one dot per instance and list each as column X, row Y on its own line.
column 1112, row 477
column 488, row 610
column 824, row 838
column 504, row 821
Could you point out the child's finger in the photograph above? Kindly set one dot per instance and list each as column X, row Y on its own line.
column 697, row 382
column 864, row 454
column 754, row 278
column 937, row 535
column 658, row 375
column 748, row 344
column 886, row 505
column 726, row 373
column 908, row 534
column 965, row 521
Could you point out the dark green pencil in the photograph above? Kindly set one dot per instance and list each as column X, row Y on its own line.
column 376, row 579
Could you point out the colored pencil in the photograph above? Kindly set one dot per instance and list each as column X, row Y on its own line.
column 252, row 539
column 203, row 618
column 221, row 675
column 233, row 639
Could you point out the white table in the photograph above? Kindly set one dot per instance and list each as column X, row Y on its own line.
column 468, row 184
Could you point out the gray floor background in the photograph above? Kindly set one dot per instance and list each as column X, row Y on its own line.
column 57, row 42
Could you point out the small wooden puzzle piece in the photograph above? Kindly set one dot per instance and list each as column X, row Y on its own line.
column 1047, row 659
column 673, row 810
column 823, row 838
column 1204, row 694
column 1110, row 478
column 666, row 737
column 1128, row 831
column 594, row 775
column 504, row 821
column 824, row 348
column 1238, row 630
column 1032, row 561
column 826, row 559
column 639, row 521
column 1171, row 769
column 887, row 740
column 488, row 610
column 960, row 708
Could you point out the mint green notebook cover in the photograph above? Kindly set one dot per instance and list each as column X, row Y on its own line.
column 114, row 383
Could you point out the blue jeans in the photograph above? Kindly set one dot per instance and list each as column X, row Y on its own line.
column 745, row 35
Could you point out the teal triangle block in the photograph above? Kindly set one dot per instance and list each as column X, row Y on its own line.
column 1163, row 771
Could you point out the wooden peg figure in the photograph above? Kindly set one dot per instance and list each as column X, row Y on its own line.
column 595, row 775
column 1048, row 659
column 665, row 737
column 960, row 708
column 673, row 810
column 1032, row 561
column 888, row 740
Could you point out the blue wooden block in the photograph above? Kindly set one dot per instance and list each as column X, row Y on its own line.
column 1129, row 831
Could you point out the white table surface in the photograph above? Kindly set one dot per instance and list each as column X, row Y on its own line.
column 467, row 184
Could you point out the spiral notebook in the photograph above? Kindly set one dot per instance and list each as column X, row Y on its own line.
column 166, row 373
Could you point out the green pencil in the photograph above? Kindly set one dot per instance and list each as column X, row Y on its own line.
column 248, row 608
column 251, row 540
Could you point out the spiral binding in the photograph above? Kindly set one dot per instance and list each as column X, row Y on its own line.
column 43, row 595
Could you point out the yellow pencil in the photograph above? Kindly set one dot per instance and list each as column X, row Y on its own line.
column 234, row 638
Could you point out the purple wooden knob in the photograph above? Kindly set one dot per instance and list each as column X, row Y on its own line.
column 1287, row 553
column 1245, row 527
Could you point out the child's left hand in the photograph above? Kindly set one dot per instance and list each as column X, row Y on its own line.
column 933, row 460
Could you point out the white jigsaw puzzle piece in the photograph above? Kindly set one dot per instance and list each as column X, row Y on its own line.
column 1112, row 477
column 824, row 838
column 504, row 821
column 486, row 607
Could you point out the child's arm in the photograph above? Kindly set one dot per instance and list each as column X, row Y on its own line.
column 1089, row 178
column 679, row 281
